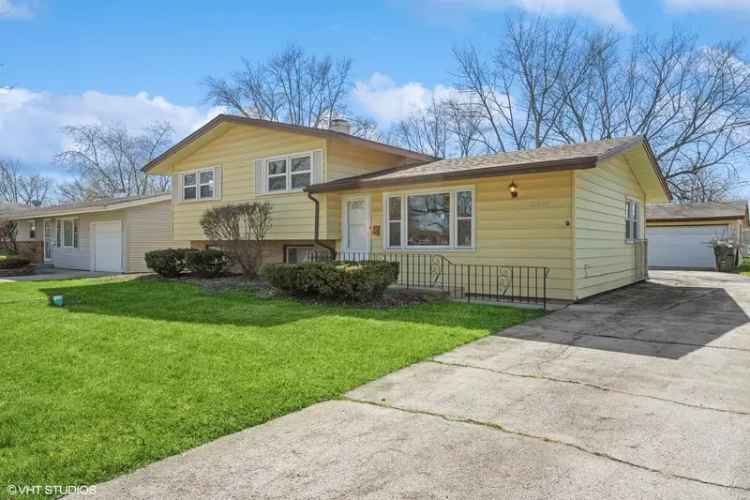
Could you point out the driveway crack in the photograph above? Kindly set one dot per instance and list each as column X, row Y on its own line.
column 501, row 428
column 592, row 386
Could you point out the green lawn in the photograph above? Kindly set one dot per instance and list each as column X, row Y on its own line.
column 745, row 267
column 130, row 371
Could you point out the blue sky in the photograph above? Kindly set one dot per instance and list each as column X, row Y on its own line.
column 134, row 61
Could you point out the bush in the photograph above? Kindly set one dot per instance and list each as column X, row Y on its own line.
column 13, row 262
column 168, row 263
column 345, row 281
column 208, row 263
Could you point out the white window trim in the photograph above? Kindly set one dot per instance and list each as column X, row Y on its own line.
column 288, row 157
column 345, row 221
column 75, row 221
column 453, row 231
column 639, row 220
column 197, row 173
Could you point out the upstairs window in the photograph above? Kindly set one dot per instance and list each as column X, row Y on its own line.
column 199, row 184
column 277, row 175
column 632, row 220
column 291, row 173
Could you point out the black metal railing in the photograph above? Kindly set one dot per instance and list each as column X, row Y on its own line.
column 470, row 282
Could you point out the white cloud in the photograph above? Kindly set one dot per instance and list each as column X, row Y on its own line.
column 736, row 5
column 606, row 12
column 31, row 122
column 388, row 102
column 13, row 9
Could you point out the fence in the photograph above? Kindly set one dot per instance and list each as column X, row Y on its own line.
column 470, row 282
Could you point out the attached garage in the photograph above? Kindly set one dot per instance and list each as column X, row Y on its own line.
column 680, row 235
column 110, row 235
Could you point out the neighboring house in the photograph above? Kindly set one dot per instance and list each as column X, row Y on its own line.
column 680, row 235
column 576, row 209
column 102, row 235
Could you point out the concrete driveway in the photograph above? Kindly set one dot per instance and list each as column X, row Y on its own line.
column 640, row 393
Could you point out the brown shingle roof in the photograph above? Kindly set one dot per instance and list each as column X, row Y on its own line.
column 89, row 206
column 565, row 157
column 287, row 127
column 697, row 211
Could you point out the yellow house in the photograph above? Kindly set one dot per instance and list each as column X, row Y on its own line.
column 575, row 212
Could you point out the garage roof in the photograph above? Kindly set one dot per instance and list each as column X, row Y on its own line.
column 91, row 206
column 675, row 212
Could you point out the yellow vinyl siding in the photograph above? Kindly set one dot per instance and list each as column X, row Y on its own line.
column 604, row 260
column 234, row 152
column 346, row 160
column 293, row 213
column 148, row 227
column 530, row 230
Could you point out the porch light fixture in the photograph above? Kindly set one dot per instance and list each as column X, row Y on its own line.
column 513, row 189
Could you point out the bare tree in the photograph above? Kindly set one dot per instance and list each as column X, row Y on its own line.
column 555, row 82
column 708, row 185
column 425, row 130
column 106, row 160
column 22, row 189
column 292, row 87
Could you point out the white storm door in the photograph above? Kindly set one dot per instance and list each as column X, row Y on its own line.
column 108, row 246
column 356, row 230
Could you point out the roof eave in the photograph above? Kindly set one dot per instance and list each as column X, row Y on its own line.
column 727, row 218
column 42, row 213
column 499, row 171
column 295, row 129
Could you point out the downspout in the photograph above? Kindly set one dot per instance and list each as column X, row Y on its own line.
column 316, row 237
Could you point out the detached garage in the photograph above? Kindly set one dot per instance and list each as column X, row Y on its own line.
column 109, row 235
column 680, row 235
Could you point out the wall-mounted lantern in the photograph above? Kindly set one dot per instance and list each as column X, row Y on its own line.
column 513, row 189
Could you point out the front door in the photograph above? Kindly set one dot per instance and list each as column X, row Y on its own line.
column 49, row 239
column 356, row 230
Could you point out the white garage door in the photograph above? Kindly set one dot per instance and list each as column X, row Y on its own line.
column 683, row 247
column 107, row 246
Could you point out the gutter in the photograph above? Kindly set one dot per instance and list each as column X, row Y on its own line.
column 363, row 182
column 316, row 236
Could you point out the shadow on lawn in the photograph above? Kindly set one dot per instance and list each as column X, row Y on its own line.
column 180, row 302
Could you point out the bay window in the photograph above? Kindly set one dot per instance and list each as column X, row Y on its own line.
column 443, row 219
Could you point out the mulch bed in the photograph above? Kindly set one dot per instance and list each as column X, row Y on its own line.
column 18, row 271
column 393, row 297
